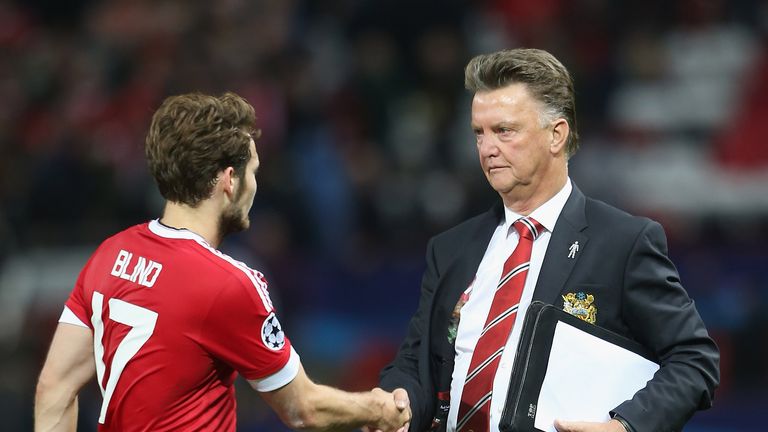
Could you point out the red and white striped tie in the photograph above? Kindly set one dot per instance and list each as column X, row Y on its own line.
column 475, row 407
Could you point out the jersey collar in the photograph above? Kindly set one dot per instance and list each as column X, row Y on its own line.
column 161, row 230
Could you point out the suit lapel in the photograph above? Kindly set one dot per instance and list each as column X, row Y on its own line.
column 463, row 272
column 459, row 275
column 557, row 265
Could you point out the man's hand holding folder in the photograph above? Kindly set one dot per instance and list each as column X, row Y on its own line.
column 570, row 374
column 575, row 426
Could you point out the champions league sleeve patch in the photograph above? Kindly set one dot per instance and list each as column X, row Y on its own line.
column 272, row 333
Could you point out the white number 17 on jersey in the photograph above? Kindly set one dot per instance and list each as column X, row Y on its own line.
column 142, row 322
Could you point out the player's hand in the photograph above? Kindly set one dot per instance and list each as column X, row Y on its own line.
column 395, row 411
column 571, row 426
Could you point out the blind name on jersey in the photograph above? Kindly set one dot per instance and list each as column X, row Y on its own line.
column 144, row 271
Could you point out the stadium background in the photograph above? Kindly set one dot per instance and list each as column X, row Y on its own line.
column 367, row 152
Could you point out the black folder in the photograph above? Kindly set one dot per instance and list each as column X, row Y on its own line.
column 532, row 360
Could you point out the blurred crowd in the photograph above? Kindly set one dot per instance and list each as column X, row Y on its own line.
column 366, row 152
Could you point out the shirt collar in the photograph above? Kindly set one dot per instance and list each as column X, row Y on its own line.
column 547, row 213
column 162, row 230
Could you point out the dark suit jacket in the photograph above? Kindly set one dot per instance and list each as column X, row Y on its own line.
column 622, row 262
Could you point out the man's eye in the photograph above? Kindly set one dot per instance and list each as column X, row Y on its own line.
column 505, row 132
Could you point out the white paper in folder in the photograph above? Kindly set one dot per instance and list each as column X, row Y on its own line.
column 587, row 377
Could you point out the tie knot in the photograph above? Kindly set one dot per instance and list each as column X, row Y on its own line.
column 528, row 227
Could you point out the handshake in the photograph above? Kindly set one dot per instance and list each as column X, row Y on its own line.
column 395, row 411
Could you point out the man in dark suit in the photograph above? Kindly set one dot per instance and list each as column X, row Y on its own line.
column 544, row 241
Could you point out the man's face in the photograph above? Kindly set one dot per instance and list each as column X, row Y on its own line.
column 234, row 218
column 513, row 147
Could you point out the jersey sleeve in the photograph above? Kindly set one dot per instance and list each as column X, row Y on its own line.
column 77, row 309
column 242, row 330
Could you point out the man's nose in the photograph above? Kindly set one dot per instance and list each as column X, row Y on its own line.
column 487, row 145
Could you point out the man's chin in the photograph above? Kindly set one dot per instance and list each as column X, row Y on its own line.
column 231, row 225
column 239, row 226
column 499, row 185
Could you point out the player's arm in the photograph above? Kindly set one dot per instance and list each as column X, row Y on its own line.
column 242, row 330
column 69, row 366
column 304, row 405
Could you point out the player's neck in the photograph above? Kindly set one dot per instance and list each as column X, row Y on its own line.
column 201, row 220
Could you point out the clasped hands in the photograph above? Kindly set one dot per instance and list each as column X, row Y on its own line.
column 396, row 411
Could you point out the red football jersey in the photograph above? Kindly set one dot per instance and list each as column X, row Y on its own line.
column 173, row 320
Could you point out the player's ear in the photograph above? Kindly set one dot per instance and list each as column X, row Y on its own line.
column 228, row 181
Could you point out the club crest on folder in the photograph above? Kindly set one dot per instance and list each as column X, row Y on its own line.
column 581, row 305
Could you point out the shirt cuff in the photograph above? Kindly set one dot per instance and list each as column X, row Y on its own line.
column 623, row 422
column 69, row 317
column 281, row 377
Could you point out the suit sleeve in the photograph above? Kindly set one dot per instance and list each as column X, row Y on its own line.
column 408, row 369
column 662, row 317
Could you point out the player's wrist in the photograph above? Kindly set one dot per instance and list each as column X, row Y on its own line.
column 374, row 402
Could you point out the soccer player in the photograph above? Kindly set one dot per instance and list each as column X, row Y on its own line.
column 165, row 320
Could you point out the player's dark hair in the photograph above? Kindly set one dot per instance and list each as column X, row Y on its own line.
column 193, row 137
column 545, row 77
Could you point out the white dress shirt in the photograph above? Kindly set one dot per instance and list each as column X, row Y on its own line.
column 475, row 311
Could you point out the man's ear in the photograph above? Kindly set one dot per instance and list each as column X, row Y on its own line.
column 560, row 133
column 228, row 181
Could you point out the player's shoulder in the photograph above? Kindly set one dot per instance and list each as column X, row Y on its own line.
column 239, row 270
column 233, row 277
column 195, row 262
